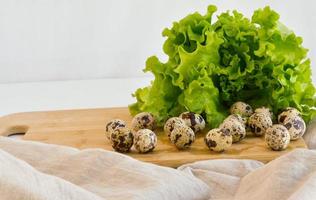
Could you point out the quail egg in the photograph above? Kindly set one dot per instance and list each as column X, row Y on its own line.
column 112, row 125
column 242, row 109
column 218, row 140
column 265, row 110
column 122, row 139
column 237, row 117
column 287, row 112
column 193, row 120
column 145, row 141
column 258, row 123
column 182, row 137
column 277, row 137
column 295, row 125
column 172, row 123
column 234, row 128
column 143, row 120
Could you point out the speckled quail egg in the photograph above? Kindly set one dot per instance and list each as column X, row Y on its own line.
column 143, row 120
column 237, row 117
column 277, row 137
column 295, row 125
column 218, row 140
column 122, row 139
column 112, row 125
column 258, row 123
column 145, row 141
column 171, row 123
column 265, row 110
column 193, row 120
column 234, row 128
column 287, row 112
column 182, row 137
column 242, row 109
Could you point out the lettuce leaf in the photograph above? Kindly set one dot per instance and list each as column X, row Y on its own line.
column 211, row 65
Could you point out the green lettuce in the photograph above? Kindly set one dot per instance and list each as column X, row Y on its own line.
column 211, row 65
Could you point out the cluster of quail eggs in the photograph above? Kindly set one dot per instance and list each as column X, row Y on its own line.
column 181, row 130
column 290, row 126
column 232, row 129
column 259, row 122
column 140, row 135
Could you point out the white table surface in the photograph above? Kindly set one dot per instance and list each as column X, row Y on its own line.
column 56, row 95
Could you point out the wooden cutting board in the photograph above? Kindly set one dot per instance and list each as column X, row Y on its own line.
column 85, row 129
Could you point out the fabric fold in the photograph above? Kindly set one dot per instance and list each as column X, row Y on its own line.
column 107, row 174
column 19, row 181
column 222, row 176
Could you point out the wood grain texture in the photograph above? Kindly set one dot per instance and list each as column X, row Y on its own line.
column 86, row 129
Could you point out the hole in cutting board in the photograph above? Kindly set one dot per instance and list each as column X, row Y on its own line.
column 16, row 135
column 17, row 132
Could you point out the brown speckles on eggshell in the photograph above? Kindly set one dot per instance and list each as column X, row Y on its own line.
column 289, row 111
column 225, row 132
column 210, row 143
column 145, row 141
column 143, row 120
column 241, row 108
column 265, row 111
column 182, row 137
column 235, row 128
column 282, row 118
column 258, row 123
column 112, row 125
column 172, row 123
column 107, row 125
column 122, row 139
column 193, row 120
column 277, row 137
column 295, row 125
column 288, row 125
column 217, row 140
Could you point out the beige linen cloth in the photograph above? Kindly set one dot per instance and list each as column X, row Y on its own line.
column 36, row 171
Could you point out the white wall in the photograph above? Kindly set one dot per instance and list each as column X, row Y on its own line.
column 83, row 39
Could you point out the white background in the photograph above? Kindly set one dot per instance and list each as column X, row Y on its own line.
column 85, row 39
